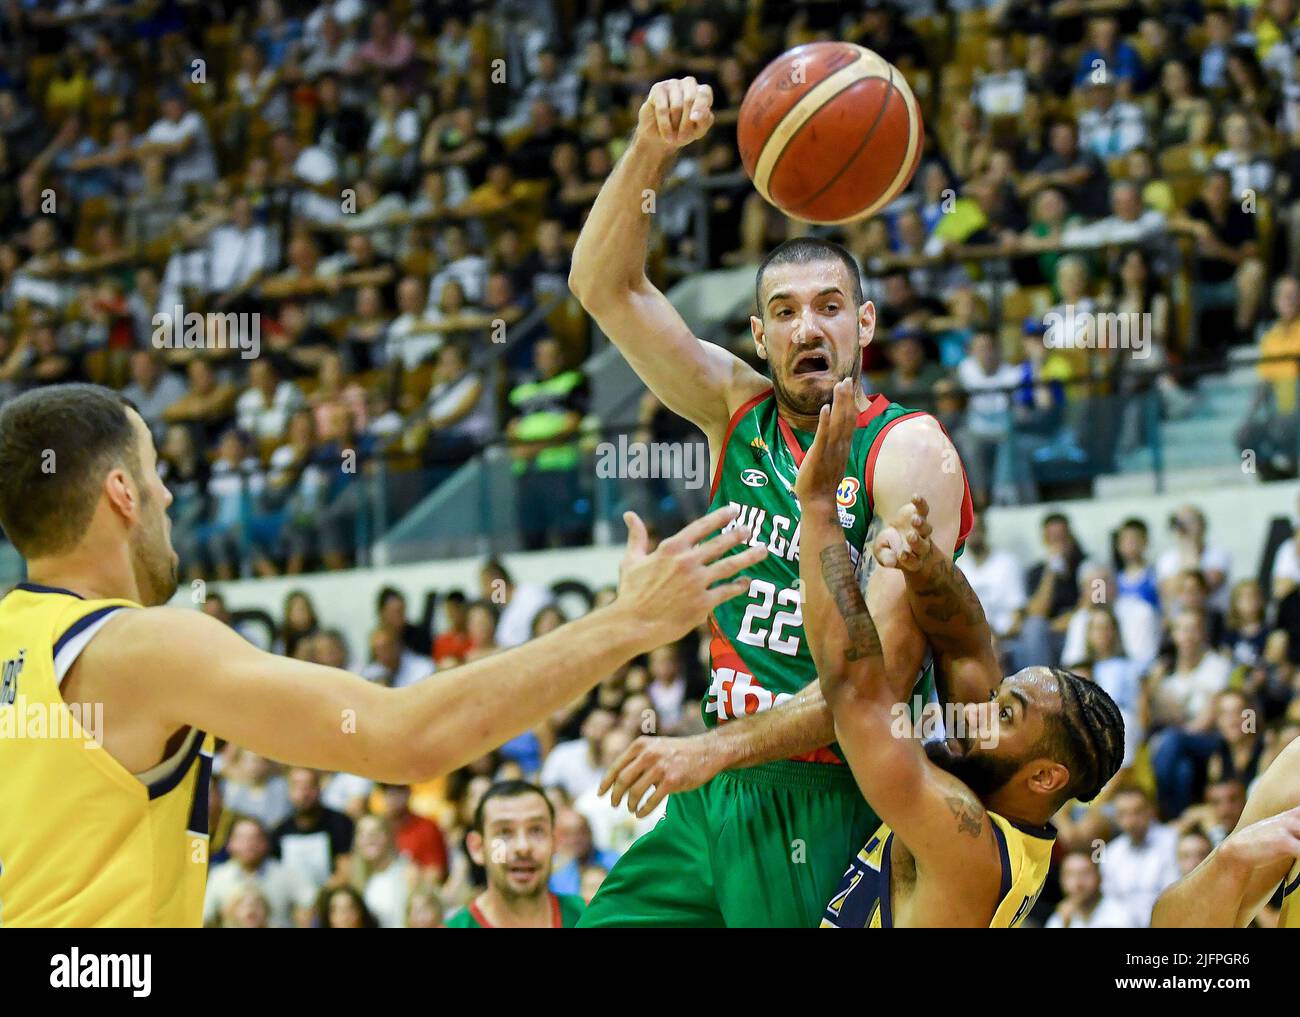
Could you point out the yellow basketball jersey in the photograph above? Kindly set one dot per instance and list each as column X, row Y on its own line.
column 863, row 899
column 83, row 842
column 1289, row 916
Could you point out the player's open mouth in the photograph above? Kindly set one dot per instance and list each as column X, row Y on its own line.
column 812, row 363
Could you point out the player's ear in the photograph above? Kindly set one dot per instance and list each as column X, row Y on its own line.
column 474, row 843
column 1048, row 777
column 760, row 338
column 866, row 324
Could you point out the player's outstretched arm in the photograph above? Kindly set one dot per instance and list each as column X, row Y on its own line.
column 698, row 380
column 1232, row 885
column 935, row 815
column 941, row 600
column 182, row 668
column 918, row 460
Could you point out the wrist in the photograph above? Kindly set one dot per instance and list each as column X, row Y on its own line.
column 633, row 632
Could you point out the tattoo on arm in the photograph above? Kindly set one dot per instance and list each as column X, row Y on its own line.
column 942, row 594
column 970, row 818
column 837, row 573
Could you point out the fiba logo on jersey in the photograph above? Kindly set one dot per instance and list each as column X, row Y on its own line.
column 9, row 679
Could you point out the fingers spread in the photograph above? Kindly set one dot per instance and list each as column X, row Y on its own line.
column 728, row 567
column 693, row 533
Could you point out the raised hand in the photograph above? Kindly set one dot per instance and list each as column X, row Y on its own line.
column 676, row 112
column 669, row 591
column 822, row 469
column 905, row 542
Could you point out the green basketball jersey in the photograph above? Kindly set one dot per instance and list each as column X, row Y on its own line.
column 759, row 656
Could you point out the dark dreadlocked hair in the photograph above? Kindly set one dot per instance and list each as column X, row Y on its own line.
column 1087, row 735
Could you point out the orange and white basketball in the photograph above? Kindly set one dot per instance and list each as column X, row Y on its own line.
column 830, row 132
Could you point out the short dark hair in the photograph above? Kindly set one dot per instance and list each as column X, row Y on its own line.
column 56, row 445
column 1055, row 517
column 509, row 789
column 1134, row 523
column 805, row 251
column 387, row 593
column 494, row 566
column 1086, row 734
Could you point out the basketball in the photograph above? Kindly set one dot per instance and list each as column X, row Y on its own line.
column 830, row 132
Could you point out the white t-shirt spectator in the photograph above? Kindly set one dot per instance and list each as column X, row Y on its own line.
column 1249, row 172
column 195, row 165
column 263, row 419
column 386, row 893
column 999, row 583
column 1213, row 559
column 1000, row 95
column 269, row 804
column 988, row 410
column 614, row 828
column 569, row 766
column 412, row 667
column 283, row 887
column 1286, row 562
column 470, row 271
column 1134, row 876
column 341, row 790
column 411, row 340
column 515, row 626
column 236, row 255
column 1139, row 631
column 1105, row 915
column 1182, row 696
column 668, row 702
column 1113, row 131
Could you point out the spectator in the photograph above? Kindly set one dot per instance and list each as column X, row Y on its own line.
column 1139, row 622
column 383, row 876
column 152, row 390
column 1135, row 576
column 1269, row 429
column 575, row 766
column 1181, row 690
column 575, row 847
column 453, row 640
column 996, row 577
column 987, row 425
column 1084, row 906
column 342, row 907
column 289, row 897
column 416, row 837
column 1139, row 863
column 392, row 664
column 1193, row 550
column 391, row 609
column 253, row 788
column 519, row 603
column 513, row 838
column 315, row 841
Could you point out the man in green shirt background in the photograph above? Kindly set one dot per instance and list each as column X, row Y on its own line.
column 514, row 840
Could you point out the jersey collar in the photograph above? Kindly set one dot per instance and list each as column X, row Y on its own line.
column 875, row 408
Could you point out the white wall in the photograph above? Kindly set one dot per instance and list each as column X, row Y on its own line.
column 1238, row 520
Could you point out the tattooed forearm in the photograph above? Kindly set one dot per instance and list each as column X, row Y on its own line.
column 970, row 817
column 842, row 582
column 940, row 593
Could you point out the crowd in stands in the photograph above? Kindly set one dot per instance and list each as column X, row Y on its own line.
column 393, row 190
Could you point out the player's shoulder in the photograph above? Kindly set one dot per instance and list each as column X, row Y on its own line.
column 571, row 908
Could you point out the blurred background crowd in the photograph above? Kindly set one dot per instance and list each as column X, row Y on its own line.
column 387, row 195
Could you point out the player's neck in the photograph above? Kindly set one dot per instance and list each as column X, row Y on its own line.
column 516, row 912
column 808, row 421
column 1017, row 810
column 91, row 576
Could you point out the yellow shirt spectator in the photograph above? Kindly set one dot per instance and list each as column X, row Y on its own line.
column 1282, row 340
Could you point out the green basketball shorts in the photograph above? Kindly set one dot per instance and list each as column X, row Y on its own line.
column 764, row 846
